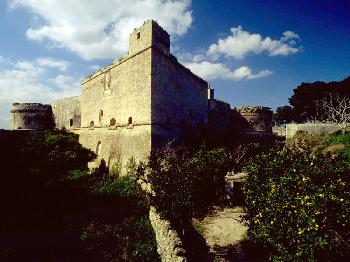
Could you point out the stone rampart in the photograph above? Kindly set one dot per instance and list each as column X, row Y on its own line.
column 315, row 128
column 66, row 112
column 169, row 245
column 31, row 116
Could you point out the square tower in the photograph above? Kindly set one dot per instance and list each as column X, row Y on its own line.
column 149, row 35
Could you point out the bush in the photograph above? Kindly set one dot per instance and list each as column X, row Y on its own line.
column 298, row 205
column 186, row 183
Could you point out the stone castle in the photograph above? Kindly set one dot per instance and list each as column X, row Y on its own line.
column 141, row 102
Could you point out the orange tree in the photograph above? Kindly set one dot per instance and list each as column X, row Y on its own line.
column 298, row 205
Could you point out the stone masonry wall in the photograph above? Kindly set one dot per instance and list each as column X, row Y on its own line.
column 117, row 144
column 67, row 113
column 314, row 129
column 169, row 245
column 31, row 116
column 179, row 98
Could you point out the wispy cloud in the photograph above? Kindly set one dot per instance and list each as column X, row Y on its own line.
column 101, row 28
column 29, row 81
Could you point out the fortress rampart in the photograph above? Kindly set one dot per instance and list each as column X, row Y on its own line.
column 31, row 116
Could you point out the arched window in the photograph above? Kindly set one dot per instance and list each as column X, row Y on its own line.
column 112, row 122
column 92, row 124
column 130, row 121
column 98, row 148
column 71, row 122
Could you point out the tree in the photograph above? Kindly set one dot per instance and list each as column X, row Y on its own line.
column 284, row 115
column 305, row 96
column 333, row 108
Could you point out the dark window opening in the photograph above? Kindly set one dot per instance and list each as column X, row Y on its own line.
column 19, row 128
column 138, row 35
column 130, row 121
column 112, row 122
column 71, row 122
column 190, row 113
column 100, row 115
column 92, row 124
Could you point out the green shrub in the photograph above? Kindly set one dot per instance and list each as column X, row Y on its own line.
column 186, row 183
column 298, row 205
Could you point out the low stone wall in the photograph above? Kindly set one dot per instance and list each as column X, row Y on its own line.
column 169, row 244
column 315, row 128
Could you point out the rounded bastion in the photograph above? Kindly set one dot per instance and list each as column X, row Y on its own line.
column 34, row 116
column 255, row 119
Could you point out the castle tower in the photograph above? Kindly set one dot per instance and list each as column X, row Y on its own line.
column 31, row 116
column 149, row 35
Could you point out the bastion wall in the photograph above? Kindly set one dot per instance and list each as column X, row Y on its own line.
column 31, row 116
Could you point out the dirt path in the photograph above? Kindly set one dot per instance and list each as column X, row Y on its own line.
column 224, row 234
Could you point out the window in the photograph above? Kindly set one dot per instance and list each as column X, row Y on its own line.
column 98, row 148
column 92, row 124
column 130, row 121
column 138, row 35
column 71, row 122
column 112, row 122
column 100, row 115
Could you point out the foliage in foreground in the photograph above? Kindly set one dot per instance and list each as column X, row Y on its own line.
column 298, row 205
column 53, row 209
column 186, row 183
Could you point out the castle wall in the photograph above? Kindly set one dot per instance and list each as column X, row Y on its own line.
column 121, row 91
column 179, row 98
column 219, row 118
column 66, row 112
column 31, row 116
column 117, row 144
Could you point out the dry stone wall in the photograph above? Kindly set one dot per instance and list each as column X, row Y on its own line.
column 169, row 244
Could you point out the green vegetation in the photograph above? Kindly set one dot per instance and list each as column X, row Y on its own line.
column 318, row 101
column 298, row 200
column 186, row 183
column 54, row 209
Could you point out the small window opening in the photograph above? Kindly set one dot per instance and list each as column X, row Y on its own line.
column 130, row 121
column 112, row 122
column 98, row 148
column 138, row 35
column 19, row 128
column 100, row 115
column 71, row 122
column 92, row 124
column 190, row 114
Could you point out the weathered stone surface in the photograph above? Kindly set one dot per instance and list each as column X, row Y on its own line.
column 66, row 112
column 314, row 128
column 169, row 245
column 31, row 116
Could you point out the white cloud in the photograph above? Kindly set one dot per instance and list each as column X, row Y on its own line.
column 101, row 28
column 53, row 63
column 211, row 71
column 241, row 43
column 28, row 81
column 289, row 35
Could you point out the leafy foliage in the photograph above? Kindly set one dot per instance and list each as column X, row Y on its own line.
column 186, row 183
column 306, row 96
column 298, row 204
column 54, row 209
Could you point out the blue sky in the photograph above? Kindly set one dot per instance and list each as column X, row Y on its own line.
column 251, row 52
